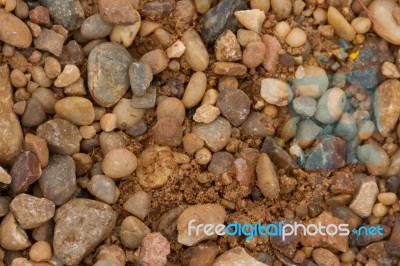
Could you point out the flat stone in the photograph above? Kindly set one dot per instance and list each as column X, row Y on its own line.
column 68, row 13
column 81, row 224
column 14, row 31
column 24, row 172
column 49, row 41
column 58, row 180
column 215, row 134
column 364, row 200
column 140, row 76
column 108, row 78
column 31, row 211
column 234, row 104
column 12, row 236
column 236, row 256
column 229, row 69
column 277, row 155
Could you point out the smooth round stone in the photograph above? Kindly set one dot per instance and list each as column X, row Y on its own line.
column 346, row 127
column 307, row 132
column 46, row 98
column 108, row 77
column 366, row 129
column 385, row 25
column 195, row 90
column 203, row 156
column 253, row 54
column 14, row 31
column 375, row 159
column 310, row 81
column 330, row 106
column 168, row 131
column 196, row 53
column 361, row 24
column 216, row 134
column 140, row 76
column 39, row 76
column 139, row 204
column 40, row 252
column 12, row 236
column 77, row 110
column 157, row 60
column 52, row 67
column 324, row 257
column 68, row 76
column 340, row 24
column 296, row 37
column 234, row 104
column 119, row 163
column 103, row 188
column 379, row 210
column 304, row 105
column 282, row 8
column 276, row 92
column 171, row 107
column 111, row 253
column 18, row 78
column 110, row 141
column 282, row 29
column 94, row 27
column 34, row 114
column 387, row 198
column 127, row 115
column 132, row 232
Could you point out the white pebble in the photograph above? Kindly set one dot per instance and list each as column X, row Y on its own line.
column 296, row 37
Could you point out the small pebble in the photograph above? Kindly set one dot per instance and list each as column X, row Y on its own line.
column 195, row 90
column 119, row 163
column 77, row 110
column 364, row 200
column 52, row 67
column 253, row 54
column 275, row 91
column 94, row 27
column 69, row 75
column 324, row 257
column 203, row 156
column 103, row 188
column 251, row 19
column 140, row 76
column 361, row 24
column 157, row 60
column 206, row 114
column 171, row 107
column 296, row 37
column 340, row 24
column 304, row 105
column 176, row 50
column 196, row 53
column 132, row 232
column 390, row 70
column 139, row 204
column 154, row 251
column 387, row 198
column 168, row 131
column 108, row 122
column 40, row 252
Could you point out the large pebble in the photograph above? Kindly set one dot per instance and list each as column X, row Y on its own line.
column 24, row 172
column 132, row 232
column 267, row 179
column 385, row 24
column 234, row 105
column 307, row 132
column 68, row 13
column 61, row 136
column 202, row 213
column 127, row 115
column 236, row 256
column 81, row 224
column 119, row 163
column 139, row 204
column 311, row 81
column 386, row 106
column 140, row 76
column 103, row 188
column 12, row 236
column 196, row 53
column 275, row 91
column 340, row 24
column 10, row 128
column 77, row 110
column 168, row 131
column 118, row 12
column 375, row 159
column 108, row 77
column 94, row 27
column 58, row 180
column 14, row 31
column 195, row 90
column 154, row 251
column 330, row 106
column 365, row 198
column 215, row 134
column 31, row 211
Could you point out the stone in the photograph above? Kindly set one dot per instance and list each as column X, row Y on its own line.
column 108, row 77
column 389, row 70
column 251, row 19
column 72, row 54
column 330, row 106
column 234, row 104
column 236, row 256
column 40, row 252
column 305, row 105
column 271, row 58
column 110, row 141
column 14, row 31
column 39, row 15
column 375, row 159
column 306, row 134
column 215, row 134
column 342, row 182
column 342, row 28
column 146, row 101
column 275, row 91
column 12, row 236
column 365, row 198
column 176, row 50
column 39, row 147
column 140, row 76
column 5, row 177
column 94, row 27
column 387, row 29
column 138, row 129
column 386, row 107
column 206, row 114
column 168, row 132
column 202, row 213
column 392, row 246
column 157, row 60
column 103, row 188
column 157, row 10
column 171, row 107
column 61, row 136
column 154, row 251
column 327, row 153
column 296, row 37
column 229, row 69
column 49, row 41
column 77, row 110
column 277, row 155
column 227, row 48
column 195, row 90
column 66, row 13
column 221, row 162
column 132, row 232
column 10, row 128
column 111, row 253
column 253, row 54
column 139, row 204
column 196, row 53
column 81, row 224
column 324, row 257
column 34, row 114
column 363, row 238
column 267, row 179
column 119, row 163
column 117, row 12
column 30, row 211
column 58, row 180
column 219, row 19
column 247, row 36
column 127, row 115
column 255, row 125
column 311, row 81
column 24, row 172
column 69, row 75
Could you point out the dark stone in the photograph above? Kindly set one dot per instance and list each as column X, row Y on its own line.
column 72, row 54
column 363, row 238
column 393, row 244
column 255, row 125
column 137, row 130
column 234, row 105
column 342, row 182
column 24, row 172
column 392, row 184
column 287, row 246
column 146, row 101
column 68, row 13
column 157, row 10
column 314, row 210
column 277, row 155
column 219, row 19
column 34, row 114
column 140, row 77
column 287, row 60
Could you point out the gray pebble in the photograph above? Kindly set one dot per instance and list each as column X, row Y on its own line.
column 110, row 141
column 4, row 205
column 307, row 132
column 34, row 114
column 139, row 204
column 103, row 188
column 140, row 76
column 137, row 130
column 215, row 134
column 148, row 100
column 304, row 105
column 94, row 28
column 132, row 232
column 221, row 162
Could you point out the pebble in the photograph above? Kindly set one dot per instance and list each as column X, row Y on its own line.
column 196, row 53
column 111, row 253
column 34, row 114
column 110, row 141
column 342, row 28
column 12, row 236
column 132, row 232
column 393, row 244
column 361, row 24
column 271, row 58
column 83, row 163
column 52, row 67
column 49, row 41
column 387, row 198
column 39, row 15
column 72, row 54
column 154, row 251
column 219, row 19
column 227, row 48
column 221, row 162
column 61, row 136
column 127, row 115
column 328, row 152
column 94, row 27
column 236, row 256
column 69, row 75
column 276, row 92
column 19, row 107
column 202, row 213
column 267, row 179
column 229, row 69
column 14, row 31
column 282, row 9
column 379, row 210
column 171, row 107
column 125, row 34
column 375, row 159
column 39, row 147
column 39, row 76
column 251, row 19
column 139, row 204
column 245, row 37
column 195, row 90
column 24, row 172
column 30, row 211
column 140, row 76
column 68, row 13
column 307, row 132
column 277, row 155
column 10, row 128
column 192, row 143
column 346, row 127
column 364, row 200
column 176, row 50
column 324, row 257
column 157, row 60
column 203, row 156
column 18, row 79
column 108, row 77
column 365, row 129
column 234, row 104
column 253, row 54
column 81, row 224
column 389, row 70
column 311, row 81
column 254, row 126
column 215, row 134
column 87, row 132
column 305, row 105
column 5, row 178
column 330, row 106
column 103, row 188
column 108, row 122
column 157, row 10
column 40, row 252
column 119, row 163
column 168, row 131
column 342, row 182
column 77, row 110
column 118, row 12
column 138, row 129
column 202, row 6
column 296, row 37
column 206, row 114
column 387, row 29
column 386, row 108
column 364, row 238
column 58, row 180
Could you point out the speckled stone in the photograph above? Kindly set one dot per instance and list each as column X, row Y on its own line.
column 68, row 13
column 234, row 104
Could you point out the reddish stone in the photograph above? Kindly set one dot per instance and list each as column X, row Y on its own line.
column 154, row 251
column 24, row 172
column 39, row 15
column 72, row 54
column 342, row 182
column 118, row 12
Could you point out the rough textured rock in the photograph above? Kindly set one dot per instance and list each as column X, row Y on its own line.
column 234, row 104
column 118, row 12
column 31, row 211
column 365, row 198
column 10, row 128
column 132, row 232
column 363, row 238
column 215, row 134
column 277, row 155
column 227, row 48
column 238, row 257
column 50, row 41
column 68, row 13
column 24, row 172
column 140, row 76
column 154, row 251
column 13, row 237
column 81, row 224
column 108, row 77
column 14, row 31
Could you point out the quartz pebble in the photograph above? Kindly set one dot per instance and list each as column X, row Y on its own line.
column 12, row 236
column 154, row 251
column 275, row 91
column 14, row 31
column 361, row 24
column 251, row 19
column 386, row 28
column 206, row 114
column 267, row 179
column 139, row 204
column 227, row 48
column 195, row 90
column 330, row 106
column 119, row 163
column 340, row 24
column 103, row 188
column 176, row 50
column 236, row 256
column 364, row 200
column 296, row 37
column 77, row 110
column 125, row 34
column 132, row 232
column 389, row 70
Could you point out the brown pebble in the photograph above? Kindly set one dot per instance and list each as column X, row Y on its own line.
column 254, row 54
column 229, row 69
column 168, row 131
